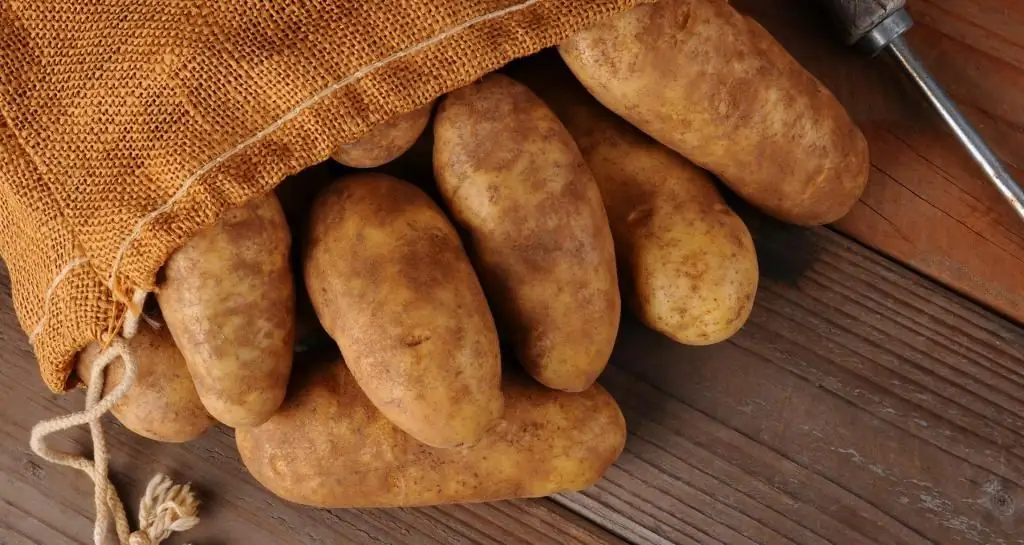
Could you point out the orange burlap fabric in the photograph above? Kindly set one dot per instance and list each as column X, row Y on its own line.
column 126, row 127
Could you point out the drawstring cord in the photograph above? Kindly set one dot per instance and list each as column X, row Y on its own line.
column 166, row 507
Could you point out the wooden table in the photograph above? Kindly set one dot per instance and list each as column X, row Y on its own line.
column 863, row 402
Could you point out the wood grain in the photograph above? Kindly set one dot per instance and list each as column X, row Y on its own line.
column 861, row 404
column 43, row 504
column 927, row 205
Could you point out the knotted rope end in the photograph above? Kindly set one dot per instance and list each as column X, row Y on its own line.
column 165, row 508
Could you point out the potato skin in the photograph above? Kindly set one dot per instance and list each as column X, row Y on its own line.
column 162, row 404
column 330, row 447
column 392, row 285
column 229, row 301
column 540, row 240
column 716, row 87
column 686, row 261
column 385, row 142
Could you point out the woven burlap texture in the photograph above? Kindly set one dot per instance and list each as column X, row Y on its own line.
column 127, row 127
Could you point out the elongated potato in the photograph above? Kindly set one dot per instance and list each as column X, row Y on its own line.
column 385, row 142
column 540, row 240
column 392, row 285
column 162, row 404
column 686, row 261
column 716, row 87
column 229, row 301
column 330, row 447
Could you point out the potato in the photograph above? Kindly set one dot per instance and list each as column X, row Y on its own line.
column 162, row 404
column 392, row 285
column 716, row 87
column 540, row 239
column 687, row 261
column 385, row 142
column 329, row 447
column 229, row 301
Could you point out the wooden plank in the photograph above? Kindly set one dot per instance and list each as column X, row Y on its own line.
column 927, row 204
column 861, row 404
column 40, row 503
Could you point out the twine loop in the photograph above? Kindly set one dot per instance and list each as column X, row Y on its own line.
column 166, row 507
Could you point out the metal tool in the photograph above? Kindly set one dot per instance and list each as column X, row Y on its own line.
column 878, row 25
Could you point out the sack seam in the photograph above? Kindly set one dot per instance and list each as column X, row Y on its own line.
column 308, row 103
column 64, row 273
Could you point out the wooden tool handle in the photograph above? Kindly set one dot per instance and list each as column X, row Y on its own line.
column 856, row 17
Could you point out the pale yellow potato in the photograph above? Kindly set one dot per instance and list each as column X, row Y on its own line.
column 392, row 285
column 330, row 447
column 162, row 403
column 385, row 142
column 686, row 261
column 229, row 301
column 716, row 87
column 538, row 233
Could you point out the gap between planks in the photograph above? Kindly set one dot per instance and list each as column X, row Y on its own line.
column 842, row 413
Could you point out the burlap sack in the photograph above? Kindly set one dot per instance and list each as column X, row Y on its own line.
column 129, row 126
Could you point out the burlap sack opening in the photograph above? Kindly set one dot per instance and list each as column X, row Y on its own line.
column 127, row 127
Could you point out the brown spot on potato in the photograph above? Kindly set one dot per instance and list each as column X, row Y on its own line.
column 416, row 340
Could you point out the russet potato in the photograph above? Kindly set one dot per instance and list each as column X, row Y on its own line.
column 687, row 262
column 537, row 230
column 385, row 142
column 229, row 301
column 162, row 403
column 391, row 284
column 716, row 87
column 330, row 447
